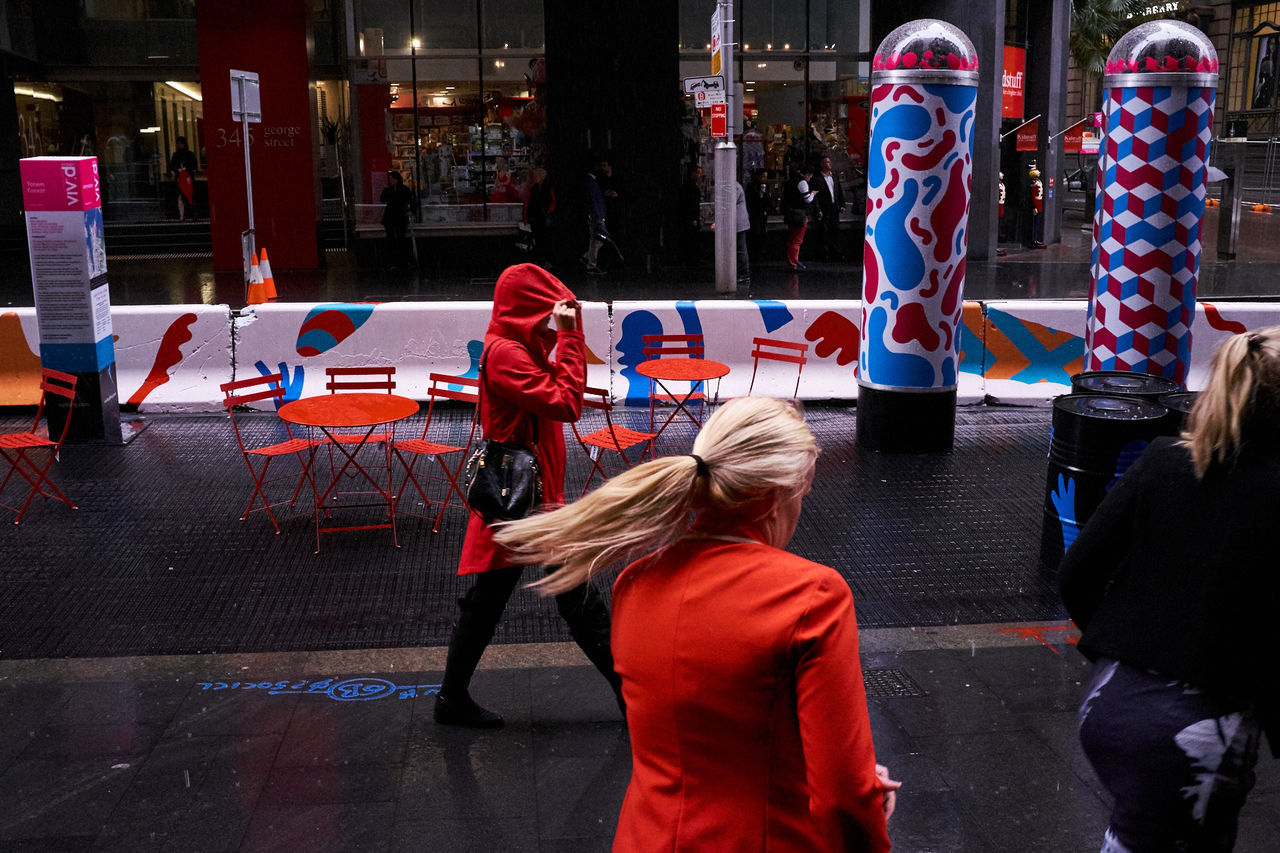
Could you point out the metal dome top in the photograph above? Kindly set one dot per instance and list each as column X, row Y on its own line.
column 927, row 45
column 1163, row 46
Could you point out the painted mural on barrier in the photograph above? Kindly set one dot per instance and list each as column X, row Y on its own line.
column 174, row 357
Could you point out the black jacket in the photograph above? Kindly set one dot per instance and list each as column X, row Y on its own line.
column 1182, row 576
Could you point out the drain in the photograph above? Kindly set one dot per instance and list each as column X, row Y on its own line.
column 890, row 683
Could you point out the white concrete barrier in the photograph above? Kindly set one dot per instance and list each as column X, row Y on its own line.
column 174, row 357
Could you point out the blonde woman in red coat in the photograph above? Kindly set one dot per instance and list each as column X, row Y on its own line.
column 739, row 661
column 525, row 397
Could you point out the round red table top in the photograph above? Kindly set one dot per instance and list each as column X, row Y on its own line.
column 682, row 369
column 348, row 410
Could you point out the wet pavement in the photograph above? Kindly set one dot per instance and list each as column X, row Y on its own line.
column 173, row 679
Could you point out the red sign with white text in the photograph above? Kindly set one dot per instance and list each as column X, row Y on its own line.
column 1028, row 136
column 1013, row 82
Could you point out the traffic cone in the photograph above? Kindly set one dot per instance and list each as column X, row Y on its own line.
column 267, row 280
column 257, row 289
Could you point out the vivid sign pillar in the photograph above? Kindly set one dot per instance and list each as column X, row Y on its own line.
column 924, row 82
column 73, row 305
column 1158, row 114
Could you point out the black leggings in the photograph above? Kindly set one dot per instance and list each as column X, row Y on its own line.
column 482, row 607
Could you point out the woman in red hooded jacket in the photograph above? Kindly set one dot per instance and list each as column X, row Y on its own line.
column 525, row 397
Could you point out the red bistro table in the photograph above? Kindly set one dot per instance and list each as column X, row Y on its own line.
column 694, row 370
column 346, row 411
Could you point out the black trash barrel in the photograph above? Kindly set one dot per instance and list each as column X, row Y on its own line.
column 1179, row 404
column 1122, row 383
column 1095, row 439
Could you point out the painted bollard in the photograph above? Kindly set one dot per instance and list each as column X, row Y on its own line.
column 924, row 82
column 1158, row 113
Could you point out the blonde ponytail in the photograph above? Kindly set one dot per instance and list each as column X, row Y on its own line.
column 750, row 447
column 1244, row 383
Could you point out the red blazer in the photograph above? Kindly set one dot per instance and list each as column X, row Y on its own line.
column 745, row 704
column 523, row 386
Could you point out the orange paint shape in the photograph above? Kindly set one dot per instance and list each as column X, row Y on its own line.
column 19, row 365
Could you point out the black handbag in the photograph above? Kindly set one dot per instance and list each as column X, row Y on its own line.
column 502, row 480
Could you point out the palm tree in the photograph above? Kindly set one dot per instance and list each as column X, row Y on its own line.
column 1095, row 26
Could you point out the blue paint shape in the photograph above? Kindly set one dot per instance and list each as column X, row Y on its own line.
column 688, row 311
column 630, row 349
column 904, row 121
column 774, row 314
column 475, row 349
column 957, row 98
column 933, row 183
column 292, row 385
column 903, row 264
column 889, row 368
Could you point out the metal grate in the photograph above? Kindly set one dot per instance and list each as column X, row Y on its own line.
column 890, row 683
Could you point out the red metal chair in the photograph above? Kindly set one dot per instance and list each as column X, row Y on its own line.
column 244, row 391
column 609, row 437
column 768, row 349
column 15, row 446
column 678, row 346
column 416, row 448
column 364, row 378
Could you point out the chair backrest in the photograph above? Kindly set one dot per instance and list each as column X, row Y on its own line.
column 659, row 346
column 442, row 388
column 241, row 392
column 369, row 378
column 60, row 385
column 772, row 349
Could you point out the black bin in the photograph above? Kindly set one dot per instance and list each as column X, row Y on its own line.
column 1122, row 383
column 1095, row 439
column 1179, row 404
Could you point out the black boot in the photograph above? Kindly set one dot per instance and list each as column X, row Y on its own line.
column 588, row 619
column 479, row 612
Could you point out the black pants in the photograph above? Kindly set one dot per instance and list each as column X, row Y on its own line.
column 1178, row 761
column 482, row 607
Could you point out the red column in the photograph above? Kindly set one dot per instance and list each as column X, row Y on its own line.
column 270, row 39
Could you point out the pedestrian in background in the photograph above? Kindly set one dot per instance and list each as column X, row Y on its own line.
column 525, row 398
column 398, row 201
column 1173, row 583
column 739, row 661
column 796, row 199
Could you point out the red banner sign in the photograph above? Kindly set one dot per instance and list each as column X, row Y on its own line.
column 1028, row 136
column 1013, row 82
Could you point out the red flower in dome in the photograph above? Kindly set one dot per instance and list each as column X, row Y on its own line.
column 909, row 59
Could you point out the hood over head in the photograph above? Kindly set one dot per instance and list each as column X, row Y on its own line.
column 522, row 301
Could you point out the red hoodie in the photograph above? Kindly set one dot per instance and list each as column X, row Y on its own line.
column 524, row 387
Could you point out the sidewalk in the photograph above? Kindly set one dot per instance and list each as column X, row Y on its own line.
column 172, row 679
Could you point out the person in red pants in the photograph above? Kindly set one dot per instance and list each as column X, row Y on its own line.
column 796, row 199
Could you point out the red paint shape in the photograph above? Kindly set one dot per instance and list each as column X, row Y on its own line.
column 920, row 231
column 911, row 324
column 1216, row 320
column 834, row 334
column 168, row 355
column 930, row 160
column 871, row 276
column 945, row 219
column 951, row 299
column 908, row 92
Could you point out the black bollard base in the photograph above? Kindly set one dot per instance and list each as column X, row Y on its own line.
column 906, row 421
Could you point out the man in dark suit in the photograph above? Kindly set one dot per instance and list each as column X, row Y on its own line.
column 830, row 201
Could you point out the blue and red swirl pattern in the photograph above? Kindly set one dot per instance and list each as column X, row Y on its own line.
column 918, row 185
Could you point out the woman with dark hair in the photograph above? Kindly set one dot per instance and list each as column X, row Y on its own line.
column 1173, row 582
